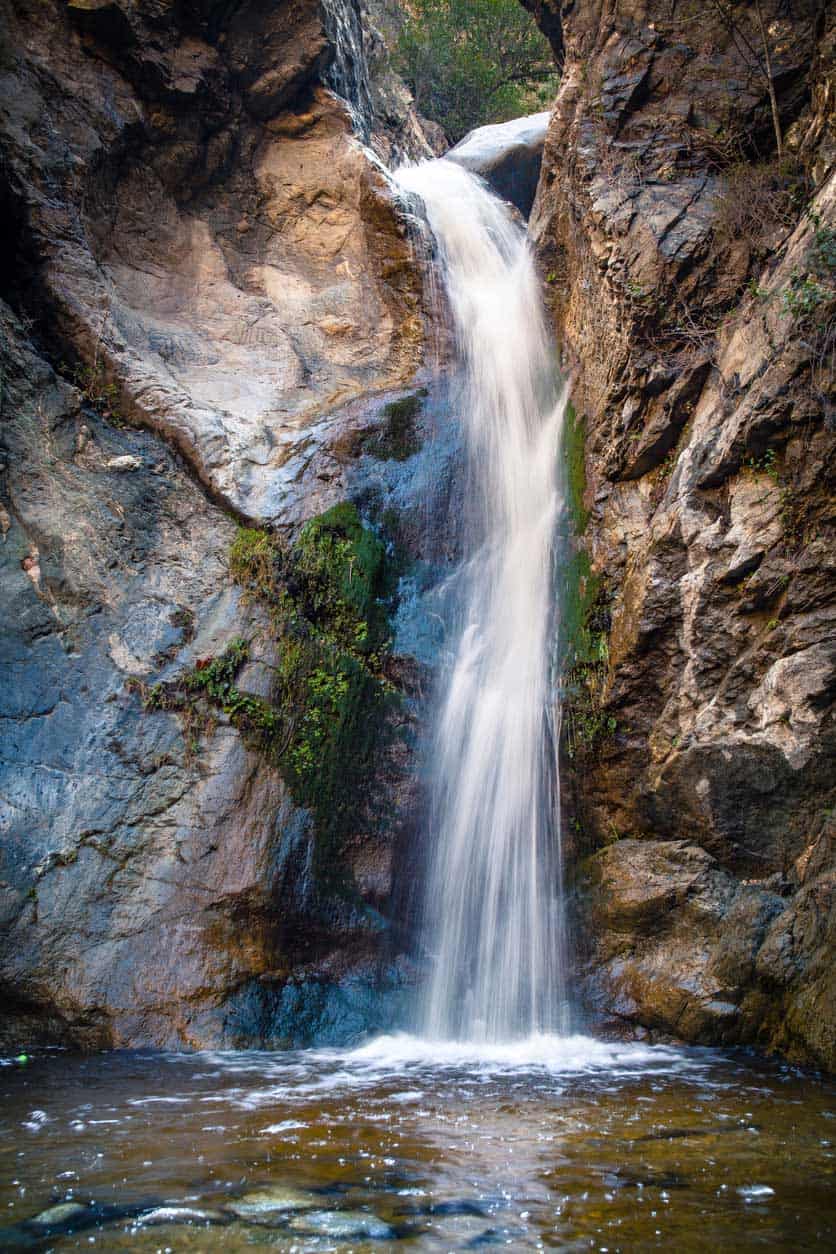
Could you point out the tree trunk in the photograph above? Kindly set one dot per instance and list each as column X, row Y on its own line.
column 776, row 119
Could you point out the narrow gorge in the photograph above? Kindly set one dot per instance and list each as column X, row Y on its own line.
column 417, row 720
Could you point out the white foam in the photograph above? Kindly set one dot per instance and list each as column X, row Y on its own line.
column 542, row 1052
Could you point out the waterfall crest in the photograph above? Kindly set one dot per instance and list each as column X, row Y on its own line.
column 493, row 918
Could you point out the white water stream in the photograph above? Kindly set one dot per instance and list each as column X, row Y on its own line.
column 493, row 910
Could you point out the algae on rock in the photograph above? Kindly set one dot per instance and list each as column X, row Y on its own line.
column 328, row 598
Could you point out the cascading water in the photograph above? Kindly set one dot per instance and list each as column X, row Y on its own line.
column 493, row 912
column 348, row 74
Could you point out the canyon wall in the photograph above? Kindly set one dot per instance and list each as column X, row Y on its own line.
column 210, row 310
column 219, row 438
column 691, row 275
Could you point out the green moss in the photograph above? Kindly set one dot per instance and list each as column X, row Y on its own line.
column 574, row 450
column 585, row 613
column 339, row 577
column 252, row 560
column 397, row 439
column 588, row 722
column 324, row 725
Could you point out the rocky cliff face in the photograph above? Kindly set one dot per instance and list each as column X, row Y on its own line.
column 692, row 277
column 209, row 309
column 211, row 316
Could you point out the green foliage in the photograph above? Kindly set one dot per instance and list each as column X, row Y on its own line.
column 397, row 439
column 211, row 686
column 96, row 391
column 765, row 465
column 470, row 62
column 574, row 445
column 803, row 296
column 823, row 249
column 324, row 725
column 216, row 679
column 809, row 294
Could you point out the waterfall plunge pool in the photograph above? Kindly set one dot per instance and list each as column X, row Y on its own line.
column 552, row 1143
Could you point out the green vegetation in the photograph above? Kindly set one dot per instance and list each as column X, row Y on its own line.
column 813, row 289
column 95, row 390
column 765, row 465
column 823, row 249
column 471, row 62
column 803, row 297
column 324, row 724
column 587, row 660
column 574, row 444
column 586, row 616
column 197, row 695
column 397, row 439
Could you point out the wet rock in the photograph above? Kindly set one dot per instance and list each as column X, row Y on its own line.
column 266, row 1204
column 508, row 156
column 709, row 454
column 345, row 1225
column 180, row 1215
column 61, row 1215
column 219, row 230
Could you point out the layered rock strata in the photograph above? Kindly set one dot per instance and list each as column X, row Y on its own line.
column 691, row 271
column 210, row 307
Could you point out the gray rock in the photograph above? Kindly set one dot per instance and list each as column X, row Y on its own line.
column 342, row 1225
column 508, row 156
column 164, row 1215
column 273, row 1200
column 58, row 1216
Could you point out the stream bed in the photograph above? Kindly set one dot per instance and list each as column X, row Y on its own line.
column 553, row 1143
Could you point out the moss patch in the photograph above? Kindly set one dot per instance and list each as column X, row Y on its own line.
column 588, row 723
column 324, row 725
column 397, row 439
column 574, row 450
column 585, row 613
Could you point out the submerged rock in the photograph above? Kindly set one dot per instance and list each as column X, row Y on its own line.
column 60, row 1215
column 180, row 1215
column 342, row 1225
column 267, row 1203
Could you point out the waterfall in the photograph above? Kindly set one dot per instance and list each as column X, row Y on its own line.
column 348, row 74
column 493, row 918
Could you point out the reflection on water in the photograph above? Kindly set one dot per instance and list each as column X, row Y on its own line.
column 571, row 1144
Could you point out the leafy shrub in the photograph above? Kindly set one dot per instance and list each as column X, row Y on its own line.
column 471, row 62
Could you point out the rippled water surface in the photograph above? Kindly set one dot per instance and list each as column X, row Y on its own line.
column 554, row 1144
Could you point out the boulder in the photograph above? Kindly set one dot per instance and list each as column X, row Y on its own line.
column 508, row 156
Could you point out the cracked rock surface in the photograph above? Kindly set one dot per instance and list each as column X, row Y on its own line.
column 208, row 298
column 705, row 809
